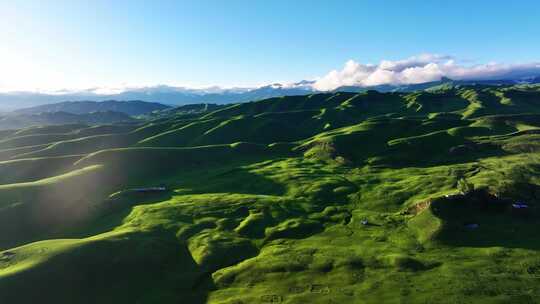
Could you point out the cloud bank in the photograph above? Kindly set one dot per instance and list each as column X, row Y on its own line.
column 419, row 69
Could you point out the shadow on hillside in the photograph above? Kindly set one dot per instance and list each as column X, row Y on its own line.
column 483, row 220
column 23, row 223
column 133, row 268
column 112, row 212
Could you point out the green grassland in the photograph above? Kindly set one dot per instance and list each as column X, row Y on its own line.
column 325, row 198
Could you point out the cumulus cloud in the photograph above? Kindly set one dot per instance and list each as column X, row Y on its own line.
column 419, row 69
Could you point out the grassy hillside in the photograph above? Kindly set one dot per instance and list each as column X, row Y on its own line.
column 325, row 198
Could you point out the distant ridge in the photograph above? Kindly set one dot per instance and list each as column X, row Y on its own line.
column 160, row 94
column 178, row 96
column 131, row 107
column 22, row 120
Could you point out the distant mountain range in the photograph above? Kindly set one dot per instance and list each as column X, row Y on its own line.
column 132, row 107
column 79, row 112
column 177, row 96
column 18, row 121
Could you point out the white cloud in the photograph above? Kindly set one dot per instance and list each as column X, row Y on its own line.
column 419, row 69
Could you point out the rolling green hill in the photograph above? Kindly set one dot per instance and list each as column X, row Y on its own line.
column 325, row 198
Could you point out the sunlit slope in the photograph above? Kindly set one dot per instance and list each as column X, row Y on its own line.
column 325, row 198
column 45, row 206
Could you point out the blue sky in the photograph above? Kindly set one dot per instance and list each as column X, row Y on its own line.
column 76, row 44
